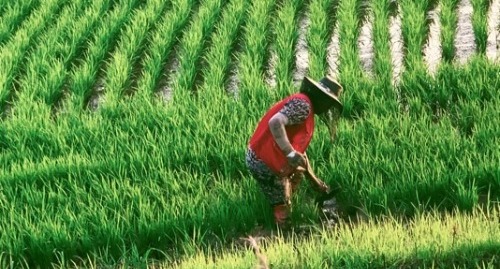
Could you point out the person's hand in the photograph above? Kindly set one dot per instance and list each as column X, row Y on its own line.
column 322, row 187
column 296, row 159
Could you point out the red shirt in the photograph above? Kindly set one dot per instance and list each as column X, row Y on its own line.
column 265, row 147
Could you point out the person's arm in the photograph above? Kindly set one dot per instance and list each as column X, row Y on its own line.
column 277, row 127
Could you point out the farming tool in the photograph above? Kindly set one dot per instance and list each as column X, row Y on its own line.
column 326, row 199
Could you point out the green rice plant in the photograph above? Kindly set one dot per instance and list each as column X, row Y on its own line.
column 415, row 30
column 382, row 10
column 12, row 53
column 285, row 33
column 453, row 240
column 42, row 83
column 130, row 47
column 161, row 45
column 145, row 181
column 42, row 87
column 480, row 23
column 218, row 57
column 253, row 56
column 448, row 19
column 350, row 15
column 192, row 46
column 323, row 18
column 12, row 17
column 416, row 81
column 84, row 76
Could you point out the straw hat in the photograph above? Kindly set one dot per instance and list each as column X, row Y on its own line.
column 327, row 85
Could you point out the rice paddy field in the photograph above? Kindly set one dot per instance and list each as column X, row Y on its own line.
column 124, row 126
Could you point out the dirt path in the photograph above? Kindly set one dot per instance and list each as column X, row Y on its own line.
column 365, row 44
column 166, row 90
column 465, row 44
column 97, row 96
column 493, row 41
column 302, row 52
column 271, row 68
column 432, row 48
column 233, row 81
column 397, row 55
column 333, row 54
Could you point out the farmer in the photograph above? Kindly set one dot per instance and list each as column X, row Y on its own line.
column 276, row 151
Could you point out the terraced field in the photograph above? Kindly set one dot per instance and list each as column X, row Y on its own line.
column 123, row 127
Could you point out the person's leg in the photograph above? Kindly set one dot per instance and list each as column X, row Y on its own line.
column 271, row 187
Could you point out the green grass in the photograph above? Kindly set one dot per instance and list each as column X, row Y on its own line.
column 141, row 181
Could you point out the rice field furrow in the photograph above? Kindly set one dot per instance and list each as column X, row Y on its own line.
column 84, row 80
column 302, row 51
column 41, row 86
column 129, row 48
column 13, row 16
column 252, row 58
column 161, row 46
column 285, row 36
column 12, row 54
column 432, row 49
column 493, row 39
column 365, row 44
column 192, row 45
column 396, row 40
column 465, row 44
column 217, row 60
column 333, row 53
column 270, row 74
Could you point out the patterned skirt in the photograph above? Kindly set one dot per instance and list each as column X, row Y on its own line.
column 268, row 181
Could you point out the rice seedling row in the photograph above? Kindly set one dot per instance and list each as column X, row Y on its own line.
column 12, row 53
column 415, row 30
column 161, row 45
column 192, row 45
column 321, row 28
column 12, row 17
column 480, row 23
column 449, row 19
column 382, row 10
column 129, row 48
column 144, row 180
column 383, row 61
column 351, row 13
column 285, row 32
column 252, row 58
column 41, row 87
column 218, row 57
column 84, row 76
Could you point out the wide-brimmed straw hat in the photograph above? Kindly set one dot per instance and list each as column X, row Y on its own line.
column 327, row 85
